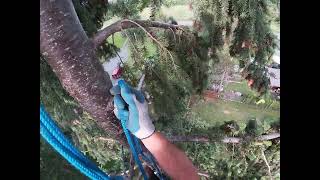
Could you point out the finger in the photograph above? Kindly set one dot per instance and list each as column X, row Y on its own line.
column 121, row 114
column 119, row 103
column 139, row 95
column 128, row 93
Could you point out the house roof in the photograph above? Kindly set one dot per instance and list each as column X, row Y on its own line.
column 274, row 75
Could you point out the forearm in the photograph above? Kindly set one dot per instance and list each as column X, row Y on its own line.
column 172, row 160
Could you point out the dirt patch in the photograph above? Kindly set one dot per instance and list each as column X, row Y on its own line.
column 209, row 95
column 226, row 112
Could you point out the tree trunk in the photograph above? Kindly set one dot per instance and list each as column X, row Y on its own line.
column 71, row 55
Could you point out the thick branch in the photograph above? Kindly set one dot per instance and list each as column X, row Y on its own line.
column 224, row 140
column 103, row 34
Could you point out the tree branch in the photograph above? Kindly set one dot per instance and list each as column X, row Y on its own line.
column 224, row 140
column 120, row 25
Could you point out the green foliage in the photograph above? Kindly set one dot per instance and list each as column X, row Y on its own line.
column 243, row 27
column 170, row 81
column 54, row 167
column 227, row 161
column 169, row 3
column 126, row 8
column 92, row 16
column 166, row 86
column 192, row 57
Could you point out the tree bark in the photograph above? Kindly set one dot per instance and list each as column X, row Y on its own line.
column 71, row 55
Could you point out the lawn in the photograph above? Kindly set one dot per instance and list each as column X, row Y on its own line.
column 246, row 90
column 217, row 112
column 240, row 87
column 178, row 12
column 118, row 39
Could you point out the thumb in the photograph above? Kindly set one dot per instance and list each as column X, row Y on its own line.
column 128, row 93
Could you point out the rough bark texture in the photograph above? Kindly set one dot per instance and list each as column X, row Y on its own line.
column 71, row 55
column 99, row 38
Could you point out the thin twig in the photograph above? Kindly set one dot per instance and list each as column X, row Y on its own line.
column 116, row 51
column 232, row 150
column 141, row 82
column 206, row 175
column 265, row 160
column 154, row 39
column 174, row 35
column 130, row 40
column 119, row 57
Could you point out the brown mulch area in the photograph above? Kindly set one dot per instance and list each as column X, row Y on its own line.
column 210, row 95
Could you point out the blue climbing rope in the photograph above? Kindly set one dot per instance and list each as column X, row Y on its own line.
column 133, row 149
column 54, row 136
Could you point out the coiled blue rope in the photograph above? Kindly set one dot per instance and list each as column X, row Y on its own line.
column 53, row 135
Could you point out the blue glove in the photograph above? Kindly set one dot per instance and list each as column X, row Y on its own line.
column 136, row 115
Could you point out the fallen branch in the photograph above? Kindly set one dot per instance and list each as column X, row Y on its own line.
column 235, row 140
column 103, row 34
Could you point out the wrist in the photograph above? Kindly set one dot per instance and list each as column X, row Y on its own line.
column 156, row 142
column 145, row 131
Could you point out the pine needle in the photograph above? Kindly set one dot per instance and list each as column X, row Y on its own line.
column 154, row 39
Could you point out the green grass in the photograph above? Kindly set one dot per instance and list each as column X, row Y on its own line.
column 217, row 112
column 240, row 87
column 178, row 12
column 245, row 89
column 118, row 39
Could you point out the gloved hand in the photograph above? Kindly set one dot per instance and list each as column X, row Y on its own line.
column 136, row 115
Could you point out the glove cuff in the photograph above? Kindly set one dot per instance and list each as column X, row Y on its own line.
column 150, row 134
column 145, row 132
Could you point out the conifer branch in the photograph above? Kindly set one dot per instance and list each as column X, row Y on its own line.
column 120, row 25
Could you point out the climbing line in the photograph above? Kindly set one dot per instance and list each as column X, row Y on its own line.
column 53, row 135
column 50, row 131
column 133, row 149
